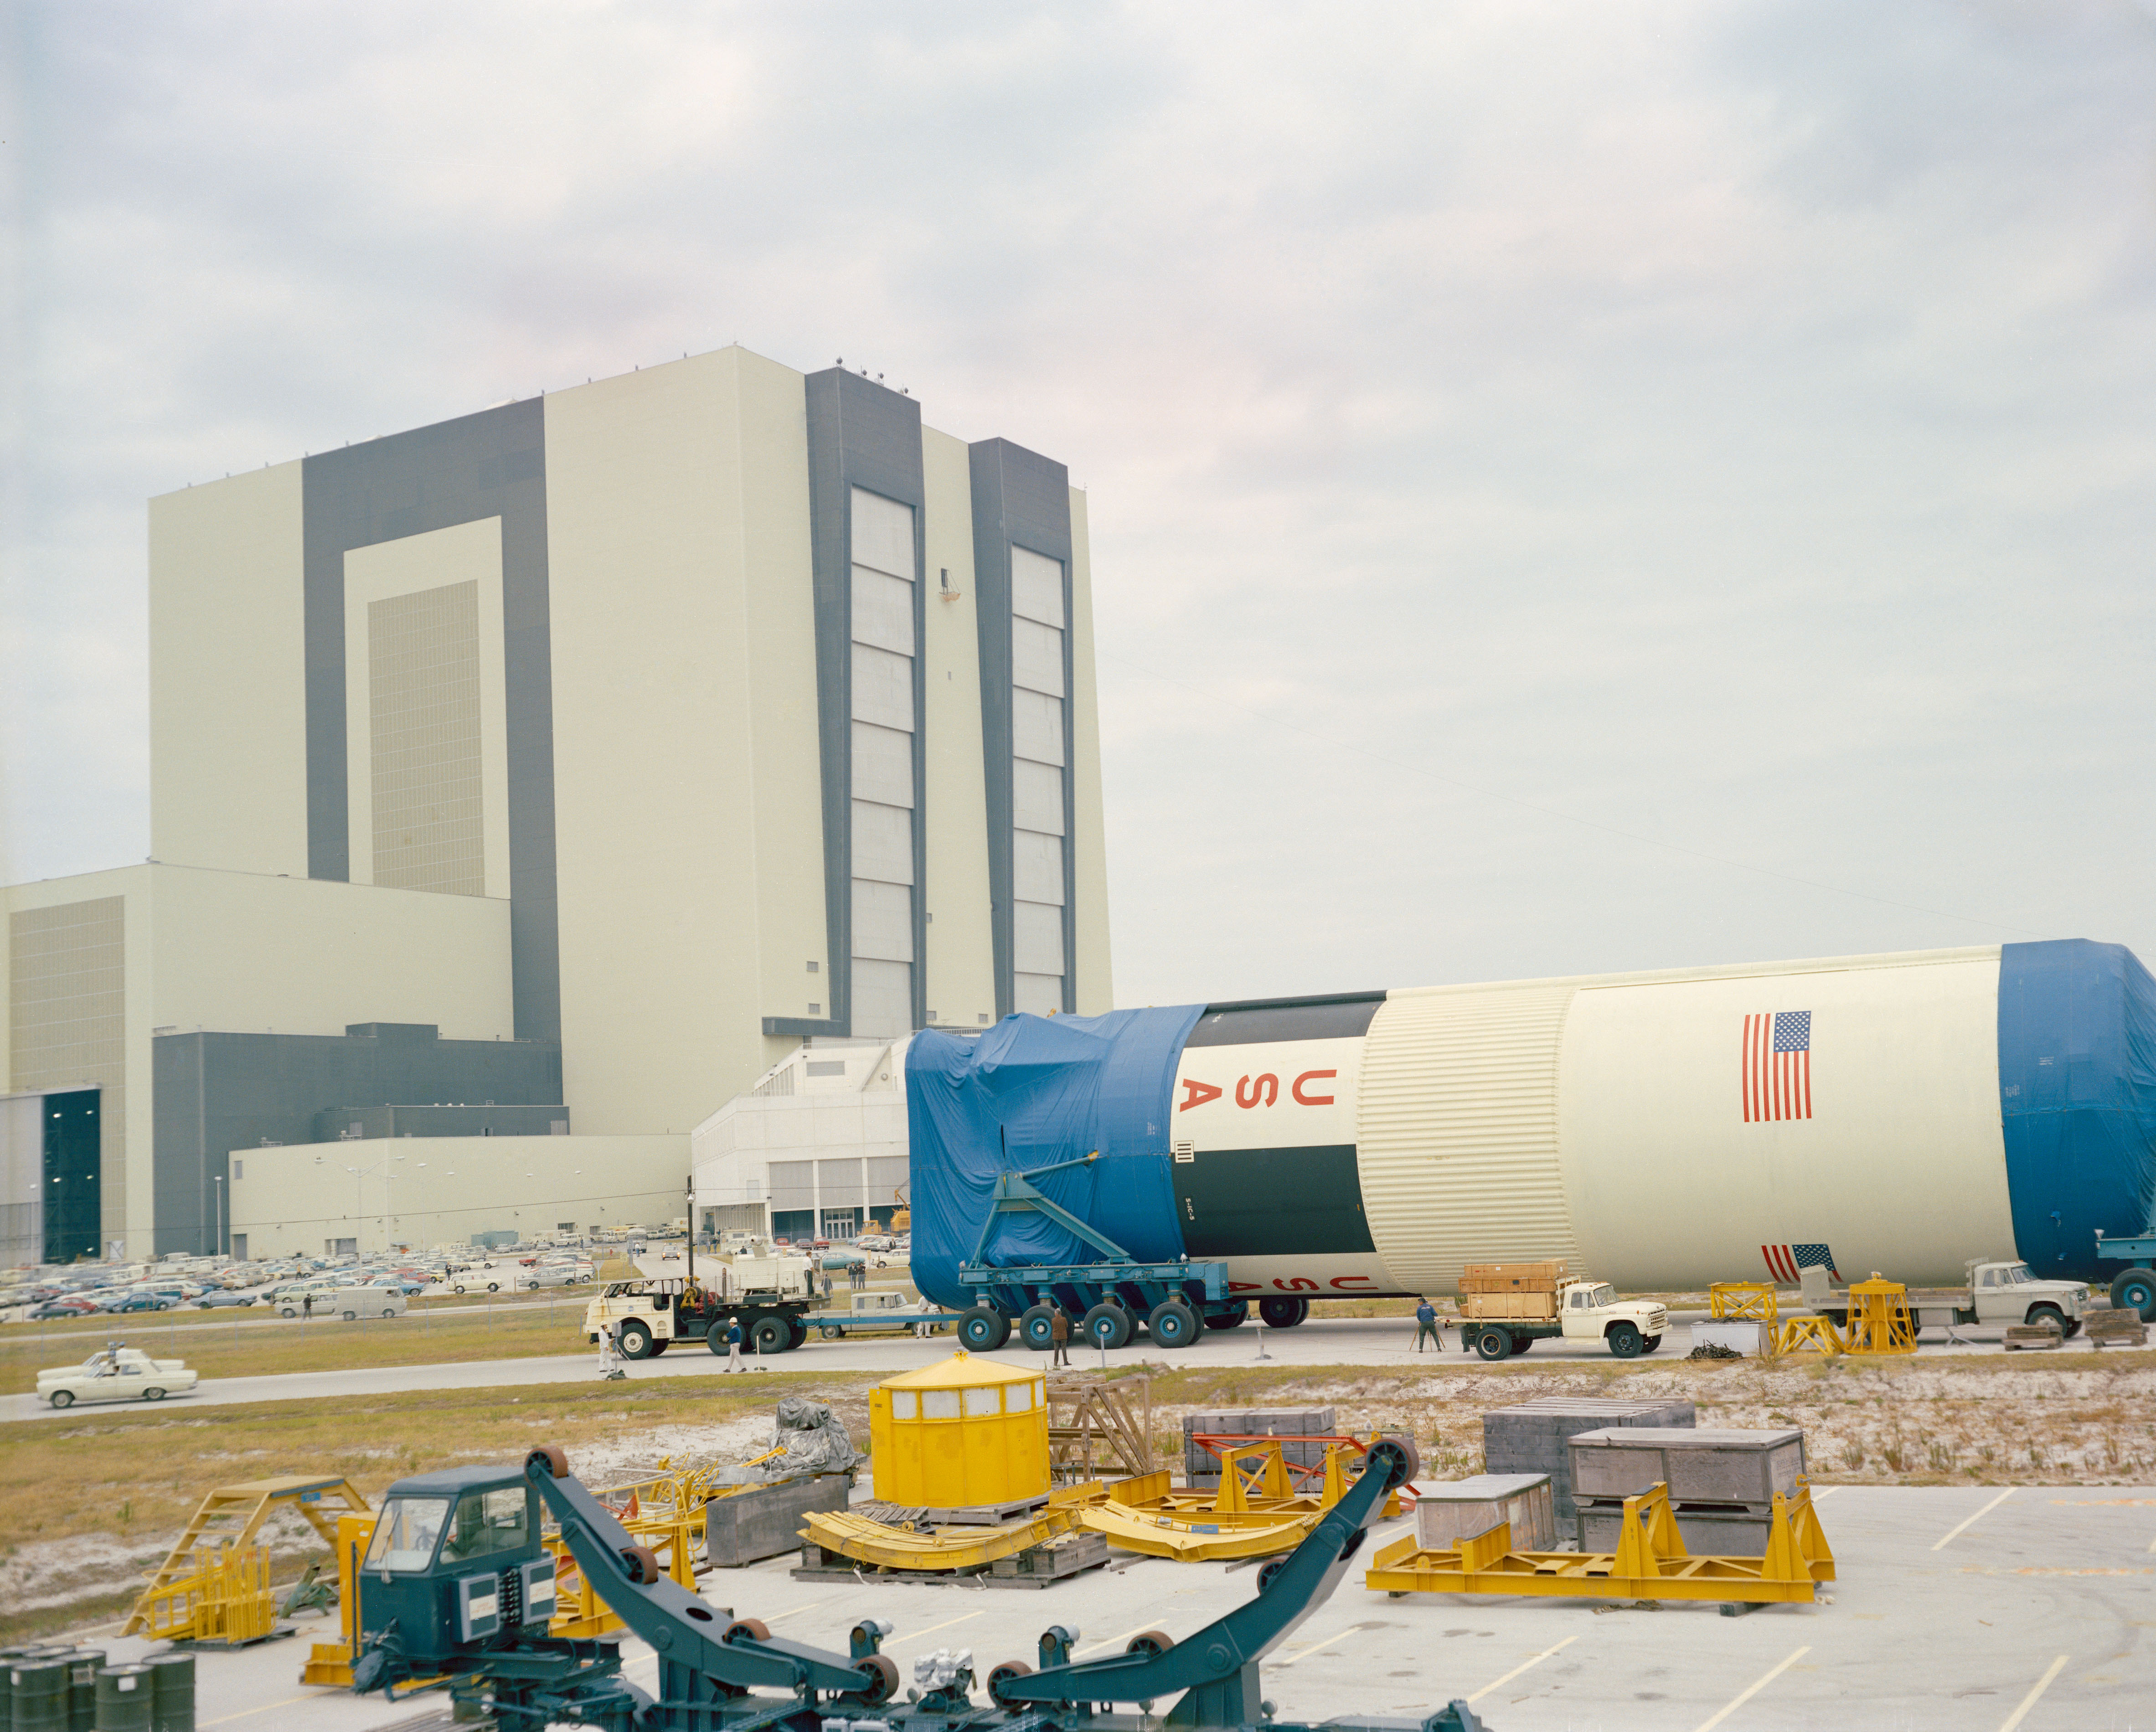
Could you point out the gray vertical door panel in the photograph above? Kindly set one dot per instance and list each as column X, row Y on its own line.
column 491, row 464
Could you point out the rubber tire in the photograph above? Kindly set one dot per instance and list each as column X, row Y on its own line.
column 643, row 1567
column 769, row 1335
column 1625, row 1339
column 1651, row 1344
column 2040, row 1315
column 1409, row 1466
column 1283, row 1311
column 658, row 1347
column 1149, row 1641
column 1229, row 1319
column 1036, row 1328
column 289, row 1311
column 63, row 1398
column 1493, row 1343
column 1269, row 1573
column 635, row 1341
column 983, row 1329
column 1106, row 1326
column 887, row 1679
column 1001, row 1674
column 715, row 1338
column 1171, row 1323
column 351, row 1317
column 754, row 1628
column 458, row 1289
column 797, row 1333
column 555, row 1458
column 2136, row 1291
column 494, row 1287
column 153, row 1394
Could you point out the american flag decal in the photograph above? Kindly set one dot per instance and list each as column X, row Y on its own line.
column 1787, row 1263
column 1778, row 1066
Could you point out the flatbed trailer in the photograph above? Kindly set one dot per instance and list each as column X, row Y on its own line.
column 2136, row 1289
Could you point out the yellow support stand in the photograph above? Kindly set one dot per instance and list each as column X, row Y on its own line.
column 1806, row 1335
column 1879, row 1320
column 1650, row 1562
column 225, row 1597
column 321, row 1501
column 1743, row 1301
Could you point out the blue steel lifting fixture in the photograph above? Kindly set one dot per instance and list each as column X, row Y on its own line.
column 460, row 1624
column 1108, row 1297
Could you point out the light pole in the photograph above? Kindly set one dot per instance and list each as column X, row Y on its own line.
column 217, row 1180
column 359, row 1178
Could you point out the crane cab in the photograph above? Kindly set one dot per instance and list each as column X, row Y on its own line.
column 455, row 1563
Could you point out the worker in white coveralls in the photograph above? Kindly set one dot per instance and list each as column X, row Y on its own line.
column 610, row 1365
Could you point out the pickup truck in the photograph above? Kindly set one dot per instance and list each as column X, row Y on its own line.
column 1998, row 1293
column 1506, row 1308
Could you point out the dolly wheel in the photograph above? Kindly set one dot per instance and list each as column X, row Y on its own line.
column 881, row 1682
column 1269, row 1573
column 748, row 1629
column 1002, row 1675
column 557, row 1460
column 1398, row 1459
column 643, row 1565
column 1149, row 1641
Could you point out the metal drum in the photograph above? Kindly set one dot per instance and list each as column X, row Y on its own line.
column 175, row 1674
column 84, row 1664
column 39, row 1684
column 127, row 1698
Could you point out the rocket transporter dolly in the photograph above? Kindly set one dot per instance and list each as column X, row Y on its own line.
column 459, row 1564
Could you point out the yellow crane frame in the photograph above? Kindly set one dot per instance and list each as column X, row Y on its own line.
column 1744, row 1301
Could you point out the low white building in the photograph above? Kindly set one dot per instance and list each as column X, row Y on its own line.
column 366, row 1194
column 817, row 1148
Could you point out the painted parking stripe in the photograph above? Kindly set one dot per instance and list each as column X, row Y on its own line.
column 2029, row 1701
column 1303, row 1652
column 1751, row 1689
column 915, row 1635
column 1499, row 1683
column 1079, row 1653
column 1963, row 1527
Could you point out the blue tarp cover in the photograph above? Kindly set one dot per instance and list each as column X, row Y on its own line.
column 1030, row 1092
column 2077, row 1099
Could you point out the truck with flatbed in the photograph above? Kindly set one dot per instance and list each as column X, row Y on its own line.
column 1998, row 1293
column 1505, row 1307
column 773, row 1296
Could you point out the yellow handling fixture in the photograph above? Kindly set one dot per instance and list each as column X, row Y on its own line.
column 1742, row 1301
column 1256, row 1512
column 1879, row 1320
column 228, row 1520
column 1650, row 1562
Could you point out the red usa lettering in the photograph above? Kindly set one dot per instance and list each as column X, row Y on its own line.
column 1259, row 1091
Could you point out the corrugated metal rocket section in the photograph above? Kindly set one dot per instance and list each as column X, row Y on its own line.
column 1457, row 1130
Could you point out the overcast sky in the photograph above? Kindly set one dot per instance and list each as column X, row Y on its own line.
column 1573, row 487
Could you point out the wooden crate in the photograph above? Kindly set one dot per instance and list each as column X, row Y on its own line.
column 1512, row 1276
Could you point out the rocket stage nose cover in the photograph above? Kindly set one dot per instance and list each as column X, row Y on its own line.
column 1030, row 1092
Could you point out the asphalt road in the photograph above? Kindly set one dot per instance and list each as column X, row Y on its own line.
column 1371, row 1341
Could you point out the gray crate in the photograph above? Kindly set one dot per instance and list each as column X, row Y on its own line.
column 1706, row 1532
column 1529, row 1437
column 1201, row 1468
column 763, row 1523
column 1459, row 1509
column 1746, row 1468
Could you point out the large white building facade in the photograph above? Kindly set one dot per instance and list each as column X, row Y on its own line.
column 581, row 756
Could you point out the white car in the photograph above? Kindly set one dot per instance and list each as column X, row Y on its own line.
column 116, row 1374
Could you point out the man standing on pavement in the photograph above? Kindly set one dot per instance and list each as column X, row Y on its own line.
column 827, row 1283
column 1058, row 1332
column 1426, row 1323
column 306, row 1306
column 733, row 1344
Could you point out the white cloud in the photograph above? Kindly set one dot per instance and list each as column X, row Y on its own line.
column 1728, row 426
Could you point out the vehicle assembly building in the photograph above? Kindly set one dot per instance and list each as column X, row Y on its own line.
column 1664, row 1131
column 581, row 756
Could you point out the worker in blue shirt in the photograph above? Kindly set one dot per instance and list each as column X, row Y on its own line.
column 1426, row 1323
column 733, row 1344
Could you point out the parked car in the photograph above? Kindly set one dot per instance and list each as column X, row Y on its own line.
column 116, row 1374
column 558, row 1275
column 119, row 1302
column 398, row 1284
column 213, row 1301
column 476, row 1280
column 54, row 1309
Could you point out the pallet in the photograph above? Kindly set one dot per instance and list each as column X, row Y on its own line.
column 1037, row 1567
column 2020, row 1335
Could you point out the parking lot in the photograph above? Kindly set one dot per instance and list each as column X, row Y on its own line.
column 1961, row 1608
